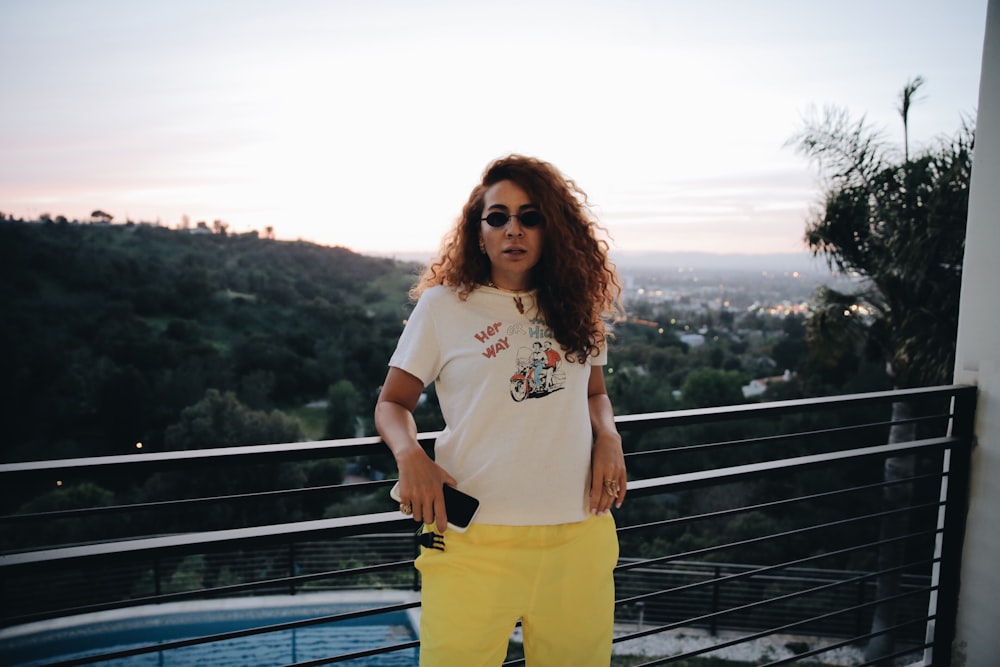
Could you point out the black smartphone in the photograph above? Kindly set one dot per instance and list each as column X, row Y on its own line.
column 461, row 507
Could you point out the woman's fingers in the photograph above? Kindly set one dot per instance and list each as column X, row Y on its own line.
column 607, row 489
column 426, row 497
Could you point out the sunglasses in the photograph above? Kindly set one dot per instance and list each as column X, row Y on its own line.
column 528, row 218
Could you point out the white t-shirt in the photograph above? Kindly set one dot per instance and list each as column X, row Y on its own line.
column 518, row 434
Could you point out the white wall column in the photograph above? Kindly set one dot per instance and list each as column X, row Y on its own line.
column 977, row 361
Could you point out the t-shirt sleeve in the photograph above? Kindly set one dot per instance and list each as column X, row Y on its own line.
column 602, row 355
column 418, row 351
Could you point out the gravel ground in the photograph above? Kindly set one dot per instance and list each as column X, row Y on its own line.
column 773, row 647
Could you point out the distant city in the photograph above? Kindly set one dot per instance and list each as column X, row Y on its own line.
column 776, row 284
column 803, row 262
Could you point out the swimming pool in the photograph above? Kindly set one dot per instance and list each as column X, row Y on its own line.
column 68, row 638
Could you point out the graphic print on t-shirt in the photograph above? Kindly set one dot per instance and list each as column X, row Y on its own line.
column 537, row 373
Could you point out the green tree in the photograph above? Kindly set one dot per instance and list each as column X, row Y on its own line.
column 343, row 410
column 900, row 226
column 220, row 420
column 710, row 387
column 322, row 473
column 78, row 495
column 905, row 102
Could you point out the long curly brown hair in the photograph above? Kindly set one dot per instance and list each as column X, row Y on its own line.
column 578, row 287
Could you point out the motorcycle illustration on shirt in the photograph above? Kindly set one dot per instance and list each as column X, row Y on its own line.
column 538, row 372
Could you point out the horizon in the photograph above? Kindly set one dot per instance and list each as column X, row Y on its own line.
column 636, row 260
column 366, row 126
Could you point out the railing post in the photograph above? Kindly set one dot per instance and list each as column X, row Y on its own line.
column 957, row 464
column 714, row 623
column 859, row 615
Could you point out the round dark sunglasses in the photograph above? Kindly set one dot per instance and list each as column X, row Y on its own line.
column 528, row 218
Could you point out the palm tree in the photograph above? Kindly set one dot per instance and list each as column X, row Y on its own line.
column 901, row 228
column 905, row 100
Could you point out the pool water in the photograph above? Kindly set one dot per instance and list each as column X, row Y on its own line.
column 100, row 633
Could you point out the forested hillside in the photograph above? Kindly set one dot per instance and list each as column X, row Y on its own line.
column 110, row 331
column 122, row 334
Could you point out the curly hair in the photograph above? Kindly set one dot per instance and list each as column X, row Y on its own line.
column 578, row 286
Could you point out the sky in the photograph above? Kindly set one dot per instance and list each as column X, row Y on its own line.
column 366, row 124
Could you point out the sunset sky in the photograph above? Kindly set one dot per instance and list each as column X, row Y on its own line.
column 365, row 124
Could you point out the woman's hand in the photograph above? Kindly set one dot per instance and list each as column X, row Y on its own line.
column 421, row 481
column 608, row 479
column 421, row 487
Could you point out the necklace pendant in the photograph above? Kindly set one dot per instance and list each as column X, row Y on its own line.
column 517, row 299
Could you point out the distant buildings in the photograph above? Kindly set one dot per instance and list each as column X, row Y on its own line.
column 758, row 386
column 692, row 339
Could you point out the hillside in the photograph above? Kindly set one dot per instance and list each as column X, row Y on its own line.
column 122, row 334
column 109, row 331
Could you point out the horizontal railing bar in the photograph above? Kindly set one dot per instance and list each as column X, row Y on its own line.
column 877, row 661
column 847, row 642
column 775, row 503
column 350, row 525
column 160, row 504
column 201, row 593
column 781, row 629
column 700, row 619
column 787, row 596
column 236, row 634
column 369, row 569
column 742, row 575
column 755, row 574
column 788, row 533
column 801, row 622
column 654, row 485
column 357, row 654
column 136, row 507
column 350, row 446
column 153, row 505
column 915, row 580
column 340, row 525
column 287, row 451
column 149, row 506
column 777, row 408
column 343, row 525
column 630, row 566
column 60, row 514
column 761, row 570
column 900, row 653
column 781, row 437
column 805, row 573
column 719, row 569
column 785, row 628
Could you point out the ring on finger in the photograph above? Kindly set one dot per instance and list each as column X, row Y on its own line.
column 611, row 487
column 406, row 508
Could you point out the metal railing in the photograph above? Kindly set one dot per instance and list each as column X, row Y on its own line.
column 742, row 523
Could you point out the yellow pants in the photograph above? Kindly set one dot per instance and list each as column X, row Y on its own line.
column 559, row 580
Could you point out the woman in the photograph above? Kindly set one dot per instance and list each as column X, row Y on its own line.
column 522, row 267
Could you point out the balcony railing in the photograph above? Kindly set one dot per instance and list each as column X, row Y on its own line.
column 833, row 520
